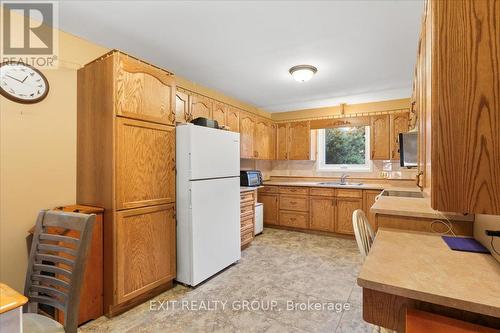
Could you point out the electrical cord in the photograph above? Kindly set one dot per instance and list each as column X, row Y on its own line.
column 447, row 223
column 493, row 246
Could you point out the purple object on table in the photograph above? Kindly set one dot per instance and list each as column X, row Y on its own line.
column 464, row 244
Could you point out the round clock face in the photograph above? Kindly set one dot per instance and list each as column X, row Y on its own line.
column 22, row 83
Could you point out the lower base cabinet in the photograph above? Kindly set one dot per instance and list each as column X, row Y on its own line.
column 316, row 208
column 270, row 203
column 247, row 218
column 322, row 214
column 145, row 250
column 345, row 208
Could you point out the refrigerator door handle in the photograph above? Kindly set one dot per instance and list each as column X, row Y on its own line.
column 190, row 200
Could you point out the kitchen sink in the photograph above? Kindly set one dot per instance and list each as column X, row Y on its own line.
column 340, row 184
column 405, row 194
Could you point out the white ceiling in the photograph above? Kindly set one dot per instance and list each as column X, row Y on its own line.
column 364, row 50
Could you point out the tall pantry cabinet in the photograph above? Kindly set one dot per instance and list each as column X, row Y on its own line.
column 126, row 164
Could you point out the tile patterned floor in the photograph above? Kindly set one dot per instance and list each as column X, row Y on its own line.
column 277, row 275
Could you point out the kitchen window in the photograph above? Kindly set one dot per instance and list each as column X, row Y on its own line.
column 344, row 149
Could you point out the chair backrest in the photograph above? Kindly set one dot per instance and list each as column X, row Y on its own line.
column 363, row 232
column 57, row 263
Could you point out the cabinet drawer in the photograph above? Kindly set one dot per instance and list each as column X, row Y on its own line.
column 327, row 192
column 247, row 227
column 246, row 208
column 348, row 193
column 294, row 203
column 247, row 221
column 269, row 189
column 292, row 219
column 246, row 238
column 294, row 190
column 247, row 197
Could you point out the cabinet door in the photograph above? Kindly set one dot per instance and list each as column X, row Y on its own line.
column 270, row 204
column 282, row 141
column 247, row 134
column 399, row 124
column 322, row 214
column 369, row 199
column 264, row 139
column 380, row 137
column 145, row 249
column 299, row 140
column 219, row 113
column 143, row 92
column 145, row 164
column 201, row 106
column 345, row 208
column 233, row 119
column 182, row 114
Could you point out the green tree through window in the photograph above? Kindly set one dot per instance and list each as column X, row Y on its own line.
column 345, row 145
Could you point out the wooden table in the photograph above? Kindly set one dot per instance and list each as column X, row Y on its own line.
column 11, row 303
column 408, row 269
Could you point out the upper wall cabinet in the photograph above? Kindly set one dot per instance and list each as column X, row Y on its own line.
column 200, row 106
column 299, row 143
column 182, row 114
column 247, row 135
column 293, row 140
column 380, row 137
column 143, row 92
column 264, row 139
column 282, row 141
column 399, row 124
column 460, row 104
column 219, row 113
column 233, row 119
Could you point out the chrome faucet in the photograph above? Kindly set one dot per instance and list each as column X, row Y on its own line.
column 343, row 179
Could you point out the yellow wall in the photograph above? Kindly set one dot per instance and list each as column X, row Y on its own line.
column 38, row 155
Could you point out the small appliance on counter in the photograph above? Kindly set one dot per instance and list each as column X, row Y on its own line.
column 250, row 178
column 408, row 149
column 205, row 122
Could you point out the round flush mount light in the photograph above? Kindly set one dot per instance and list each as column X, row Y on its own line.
column 303, row 73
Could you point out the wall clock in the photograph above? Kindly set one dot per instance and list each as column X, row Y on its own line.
column 22, row 83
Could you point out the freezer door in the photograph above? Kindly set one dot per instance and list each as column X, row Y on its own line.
column 214, row 153
column 215, row 211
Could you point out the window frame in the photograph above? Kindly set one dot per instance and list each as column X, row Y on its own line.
column 323, row 167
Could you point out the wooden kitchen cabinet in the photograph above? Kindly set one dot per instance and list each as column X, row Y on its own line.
column 369, row 197
column 345, row 208
column 219, row 113
column 322, row 214
column 399, row 123
column 247, row 217
column 126, row 165
column 293, row 141
column 270, row 203
column 282, row 141
column 200, row 106
column 264, row 139
column 182, row 113
column 299, row 140
column 145, row 249
column 247, row 135
column 380, row 137
column 298, row 220
column 457, row 100
column 143, row 91
column 233, row 119
column 145, row 164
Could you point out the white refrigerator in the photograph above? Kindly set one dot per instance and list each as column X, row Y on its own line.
column 208, row 202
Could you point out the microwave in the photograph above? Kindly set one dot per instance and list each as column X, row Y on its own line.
column 408, row 149
column 250, row 178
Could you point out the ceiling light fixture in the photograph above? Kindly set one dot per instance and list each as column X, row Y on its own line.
column 303, row 73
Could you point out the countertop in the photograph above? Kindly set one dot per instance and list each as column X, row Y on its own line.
column 421, row 266
column 10, row 299
column 364, row 186
column 249, row 188
column 414, row 207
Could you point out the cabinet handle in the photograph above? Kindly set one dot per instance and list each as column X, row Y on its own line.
column 373, row 153
column 418, row 180
column 293, row 219
column 293, row 202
